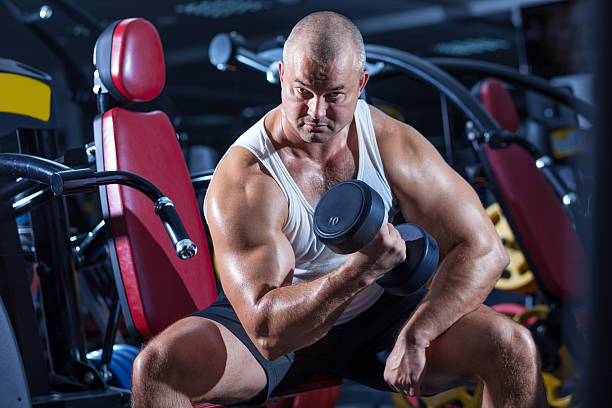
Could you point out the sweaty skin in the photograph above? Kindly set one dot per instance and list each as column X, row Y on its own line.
column 450, row 339
column 433, row 195
column 314, row 134
column 311, row 134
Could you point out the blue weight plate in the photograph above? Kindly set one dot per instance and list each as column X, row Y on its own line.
column 126, row 350
column 121, row 377
column 121, row 367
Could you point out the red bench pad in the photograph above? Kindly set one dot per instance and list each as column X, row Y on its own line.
column 160, row 287
column 543, row 226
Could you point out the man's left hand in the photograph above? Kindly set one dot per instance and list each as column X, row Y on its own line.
column 405, row 368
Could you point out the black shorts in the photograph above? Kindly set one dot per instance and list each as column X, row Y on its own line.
column 356, row 350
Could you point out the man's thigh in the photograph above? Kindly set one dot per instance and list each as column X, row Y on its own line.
column 207, row 362
column 268, row 373
column 357, row 350
column 452, row 359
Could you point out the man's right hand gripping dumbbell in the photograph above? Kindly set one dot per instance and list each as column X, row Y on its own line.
column 351, row 214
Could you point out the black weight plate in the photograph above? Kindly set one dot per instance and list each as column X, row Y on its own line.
column 339, row 210
column 421, row 261
column 348, row 216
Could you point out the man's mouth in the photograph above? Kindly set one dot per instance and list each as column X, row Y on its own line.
column 316, row 125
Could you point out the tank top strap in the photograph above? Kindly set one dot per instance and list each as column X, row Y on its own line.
column 371, row 169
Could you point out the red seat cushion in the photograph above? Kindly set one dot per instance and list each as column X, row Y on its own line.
column 160, row 287
column 326, row 383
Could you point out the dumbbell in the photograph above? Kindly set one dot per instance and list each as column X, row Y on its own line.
column 349, row 216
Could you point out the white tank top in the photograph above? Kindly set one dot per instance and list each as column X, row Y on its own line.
column 312, row 258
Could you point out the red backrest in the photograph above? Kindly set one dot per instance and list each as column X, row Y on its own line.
column 155, row 286
column 544, row 229
column 498, row 102
column 130, row 60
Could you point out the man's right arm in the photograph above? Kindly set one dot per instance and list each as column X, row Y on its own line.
column 246, row 211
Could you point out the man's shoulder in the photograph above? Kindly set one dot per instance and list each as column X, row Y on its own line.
column 242, row 189
column 387, row 128
column 395, row 138
column 239, row 167
column 382, row 122
column 240, row 173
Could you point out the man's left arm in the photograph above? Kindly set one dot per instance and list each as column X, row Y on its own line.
column 432, row 195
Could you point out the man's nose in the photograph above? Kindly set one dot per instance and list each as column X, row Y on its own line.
column 317, row 106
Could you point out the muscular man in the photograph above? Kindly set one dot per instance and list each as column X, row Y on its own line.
column 297, row 308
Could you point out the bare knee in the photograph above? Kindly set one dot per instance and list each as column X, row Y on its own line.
column 189, row 349
column 511, row 350
column 511, row 367
column 148, row 364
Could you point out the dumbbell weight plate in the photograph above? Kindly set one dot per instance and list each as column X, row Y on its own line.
column 421, row 260
column 348, row 216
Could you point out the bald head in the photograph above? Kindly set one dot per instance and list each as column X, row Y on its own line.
column 324, row 36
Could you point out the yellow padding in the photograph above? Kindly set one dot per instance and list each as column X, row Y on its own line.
column 24, row 96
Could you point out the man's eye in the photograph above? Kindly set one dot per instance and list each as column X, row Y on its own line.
column 301, row 90
column 333, row 94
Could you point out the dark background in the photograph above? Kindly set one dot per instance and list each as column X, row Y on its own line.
column 211, row 108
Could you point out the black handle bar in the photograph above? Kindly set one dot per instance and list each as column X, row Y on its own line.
column 63, row 181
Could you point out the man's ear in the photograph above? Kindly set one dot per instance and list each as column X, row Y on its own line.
column 363, row 81
column 280, row 72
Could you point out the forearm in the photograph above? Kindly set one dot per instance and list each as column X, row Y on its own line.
column 292, row 317
column 462, row 283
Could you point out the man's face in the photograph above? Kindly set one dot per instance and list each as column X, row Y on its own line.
column 318, row 101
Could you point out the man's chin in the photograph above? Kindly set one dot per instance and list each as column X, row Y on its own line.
column 317, row 137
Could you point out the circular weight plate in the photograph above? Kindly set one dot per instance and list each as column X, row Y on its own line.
column 531, row 315
column 120, row 378
column 421, row 260
column 127, row 350
column 121, row 368
column 518, row 276
column 120, row 365
column 401, row 401
column 339, row 210
column 552, row 385
column 348, row 216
